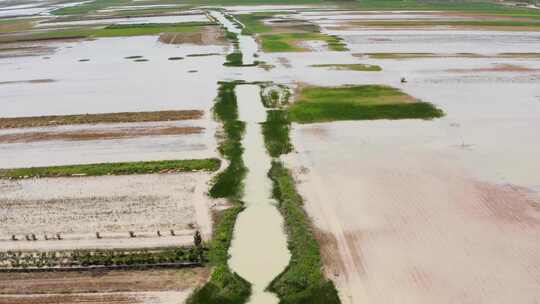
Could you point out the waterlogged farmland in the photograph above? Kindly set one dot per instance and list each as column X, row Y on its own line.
column 264, row 152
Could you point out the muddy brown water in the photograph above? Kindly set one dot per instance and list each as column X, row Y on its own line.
column 259, row 250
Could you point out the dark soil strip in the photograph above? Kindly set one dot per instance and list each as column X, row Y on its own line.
column 81, row 135
column 58, row 120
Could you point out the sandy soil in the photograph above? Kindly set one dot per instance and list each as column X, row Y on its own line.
column 415, row 228
column 77, row 208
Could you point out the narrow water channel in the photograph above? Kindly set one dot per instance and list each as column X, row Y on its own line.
column 247, row 44
column 259, row 248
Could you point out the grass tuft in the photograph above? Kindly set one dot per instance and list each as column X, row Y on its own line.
column 127, row 168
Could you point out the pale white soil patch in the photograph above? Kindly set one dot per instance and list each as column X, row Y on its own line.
column 79, row 207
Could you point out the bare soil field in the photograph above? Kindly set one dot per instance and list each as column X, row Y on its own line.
column 58, row 120
column 105, row 281
column 79, row 207
column 415, row 227
column 149, row 286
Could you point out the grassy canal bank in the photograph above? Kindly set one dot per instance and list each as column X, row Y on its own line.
column 224, row 286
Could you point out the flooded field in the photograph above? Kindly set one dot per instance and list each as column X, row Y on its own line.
column 441, row 210
column 100, row 143
column 89, row 87
column 425, row 211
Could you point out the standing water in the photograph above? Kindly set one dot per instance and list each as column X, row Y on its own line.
column 259, row 249
column 247, row 44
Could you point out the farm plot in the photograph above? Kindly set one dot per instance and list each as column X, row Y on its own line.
column 149, row 286
column 79, row 208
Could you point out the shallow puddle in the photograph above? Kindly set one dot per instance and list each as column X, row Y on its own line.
column 259, row 249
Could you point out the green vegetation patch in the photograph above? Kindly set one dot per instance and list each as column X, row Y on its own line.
column 210, row 164
column 276, row 133
column 363, row 102
column 291, row 42
column 350, row 67
column 303, row 280
column 233, row 59
column 224, row 286
column 126, row 30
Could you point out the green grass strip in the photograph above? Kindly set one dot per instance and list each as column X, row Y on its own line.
column 360, row 102
column 303, row 281
column 324, row 112
column 225, row 286
column 276, row 133
column 126, row 168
